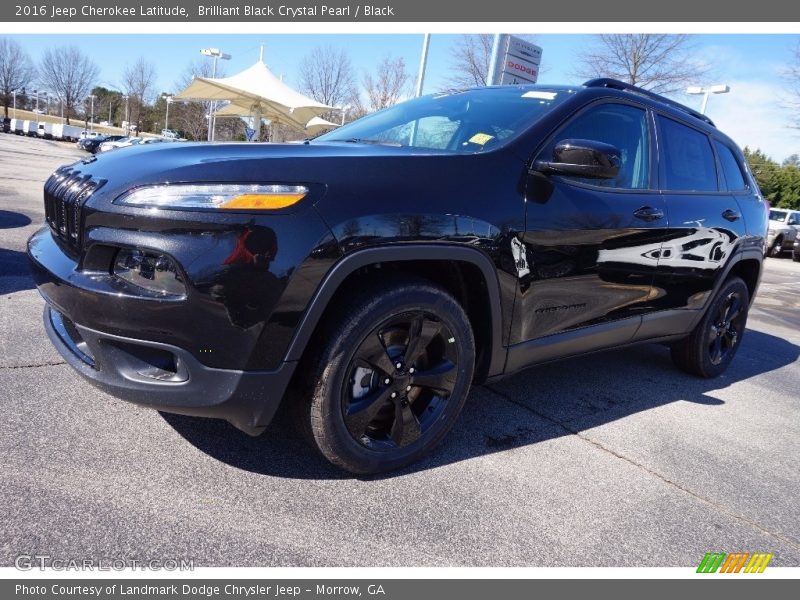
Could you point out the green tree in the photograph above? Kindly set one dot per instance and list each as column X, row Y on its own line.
column 780, row 184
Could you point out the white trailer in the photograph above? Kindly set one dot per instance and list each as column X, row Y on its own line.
column 16, row 126
column 30, row 127
column 59, row 131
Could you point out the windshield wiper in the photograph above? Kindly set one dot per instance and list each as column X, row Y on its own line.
column 368, row 141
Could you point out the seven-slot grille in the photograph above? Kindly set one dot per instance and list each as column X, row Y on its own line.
column 65, row 193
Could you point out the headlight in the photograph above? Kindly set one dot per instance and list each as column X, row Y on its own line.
column 154, row 272
column 216, row 196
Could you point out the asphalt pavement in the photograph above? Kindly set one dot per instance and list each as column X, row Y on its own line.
column 617, row 459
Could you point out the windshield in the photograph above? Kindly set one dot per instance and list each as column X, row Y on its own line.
column 459, row 122
column 777, row 215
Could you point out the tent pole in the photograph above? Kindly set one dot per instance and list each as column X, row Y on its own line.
column 257, row 123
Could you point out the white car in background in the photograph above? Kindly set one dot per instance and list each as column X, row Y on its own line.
column 126, row 142
column 121, row 143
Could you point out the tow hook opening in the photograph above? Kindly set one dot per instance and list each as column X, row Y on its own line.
column 143, row 363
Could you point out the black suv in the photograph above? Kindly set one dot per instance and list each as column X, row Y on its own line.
column 371, row 275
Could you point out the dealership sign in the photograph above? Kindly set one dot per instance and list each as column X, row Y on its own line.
column 520, row 61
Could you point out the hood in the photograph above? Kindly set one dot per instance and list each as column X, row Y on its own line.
column 312, row 163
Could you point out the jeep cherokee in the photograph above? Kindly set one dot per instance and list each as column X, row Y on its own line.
column 371, row 275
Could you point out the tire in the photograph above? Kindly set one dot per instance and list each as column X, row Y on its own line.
column 776, row 248
column 711, row 346
column 362, row 411
column 796, row 256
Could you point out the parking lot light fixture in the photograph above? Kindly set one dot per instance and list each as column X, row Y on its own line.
column 216, row 54
column 696, row 90
column 127, row 127
column 91, row 119
column 168, row 98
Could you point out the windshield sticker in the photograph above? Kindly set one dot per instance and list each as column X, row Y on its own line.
column 481, row 138
column 540, row 95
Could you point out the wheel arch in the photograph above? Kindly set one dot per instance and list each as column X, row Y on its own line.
column 746, row 264
column 407, row 255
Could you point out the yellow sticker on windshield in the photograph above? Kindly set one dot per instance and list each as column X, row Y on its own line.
column 481, row 138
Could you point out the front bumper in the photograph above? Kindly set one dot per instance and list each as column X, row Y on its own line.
column 150, row 373
column 168, row 378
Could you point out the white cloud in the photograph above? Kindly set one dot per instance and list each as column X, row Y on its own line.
column 755, row 114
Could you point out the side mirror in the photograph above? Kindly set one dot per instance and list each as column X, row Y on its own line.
column 582, row 158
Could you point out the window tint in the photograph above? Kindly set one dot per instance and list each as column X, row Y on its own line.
column 730, row 167
column 688, row 161
column 625, row 128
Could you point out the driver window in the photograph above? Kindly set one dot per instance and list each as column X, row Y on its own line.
column 624, row 127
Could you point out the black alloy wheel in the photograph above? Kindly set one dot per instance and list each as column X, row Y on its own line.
column 399, row 381
column 713, row 343
column 390, row 377
column 726, row 328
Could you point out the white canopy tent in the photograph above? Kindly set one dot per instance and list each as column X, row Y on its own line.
column 256, row 92
column 318, row 125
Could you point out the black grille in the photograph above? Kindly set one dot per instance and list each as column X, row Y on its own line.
column 65, row 193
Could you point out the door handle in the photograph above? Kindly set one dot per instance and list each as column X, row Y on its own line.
column 731, row 215
column 648, row 213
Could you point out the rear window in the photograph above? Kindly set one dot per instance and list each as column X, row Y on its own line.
column 777, row 215
column 688, row 161
column 731, row 170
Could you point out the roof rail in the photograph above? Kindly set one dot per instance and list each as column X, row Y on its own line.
column 621, row 85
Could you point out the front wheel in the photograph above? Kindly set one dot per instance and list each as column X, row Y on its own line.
column 391, row 379
column 710, row 348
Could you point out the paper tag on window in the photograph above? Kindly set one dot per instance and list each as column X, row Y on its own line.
column 480, row 138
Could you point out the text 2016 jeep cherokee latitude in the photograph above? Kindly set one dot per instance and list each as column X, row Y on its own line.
column 381, row 269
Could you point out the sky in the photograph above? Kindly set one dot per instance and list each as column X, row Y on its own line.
column 754, row 113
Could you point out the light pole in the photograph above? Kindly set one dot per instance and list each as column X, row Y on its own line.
column 168, row 98
column 345, row 110
column 14, row 94
column 696, row 90
column 423, row 61
column 216, row 54
column 92, row 96
column 127, row 127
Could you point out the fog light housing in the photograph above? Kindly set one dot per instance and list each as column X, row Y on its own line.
column 156, row 273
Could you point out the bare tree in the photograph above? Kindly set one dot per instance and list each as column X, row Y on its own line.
column 16, row 71
column 190, row 117
column 659, row 62
column 69, row 74
column 471, row 58
column 326, row 75
column 388, row 84
column 139, row 80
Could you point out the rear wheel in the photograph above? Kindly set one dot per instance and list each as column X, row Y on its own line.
column 391, row 379
column 777, row 247
column 710, row 348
